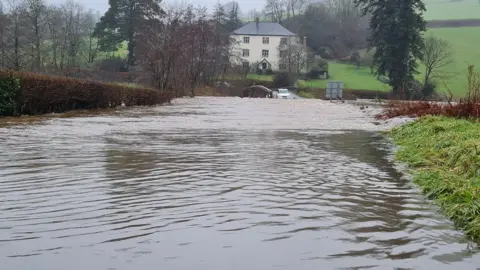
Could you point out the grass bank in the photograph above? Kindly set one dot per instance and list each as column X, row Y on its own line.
column 444, row 154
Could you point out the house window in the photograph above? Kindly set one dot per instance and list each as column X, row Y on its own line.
column 246, row 52
column 282, row 66
column 283, row 41
column 246, row 64
column 264, row 53
column 246, row 40
column 266, row 40
column 283, row 54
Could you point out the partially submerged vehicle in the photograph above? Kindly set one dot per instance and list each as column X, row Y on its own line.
column 283, row 93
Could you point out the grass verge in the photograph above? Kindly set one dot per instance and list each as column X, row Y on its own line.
column 444, row 154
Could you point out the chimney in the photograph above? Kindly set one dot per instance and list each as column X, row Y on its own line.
column 257, row 22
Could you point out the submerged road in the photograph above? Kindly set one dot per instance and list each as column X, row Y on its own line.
column 216, row 183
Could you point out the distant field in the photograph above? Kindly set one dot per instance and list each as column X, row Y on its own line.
column 465, row 43
column 451, row 10
column 351, row 77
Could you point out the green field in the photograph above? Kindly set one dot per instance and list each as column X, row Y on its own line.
column 351, row 77
column 465, row 42
column 449, row 10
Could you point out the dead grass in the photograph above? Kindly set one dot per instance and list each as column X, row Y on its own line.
column 467, row 107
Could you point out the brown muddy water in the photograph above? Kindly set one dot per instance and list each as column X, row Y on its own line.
column 215, row 183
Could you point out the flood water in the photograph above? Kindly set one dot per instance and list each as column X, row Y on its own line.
column 215, row 183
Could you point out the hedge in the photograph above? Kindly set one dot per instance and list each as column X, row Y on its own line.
column 32, row 93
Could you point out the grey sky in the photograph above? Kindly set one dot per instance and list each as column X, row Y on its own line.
column 102, row 5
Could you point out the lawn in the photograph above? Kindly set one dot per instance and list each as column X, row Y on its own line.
column 351, row 77
column 445, row 10
column 266, row 78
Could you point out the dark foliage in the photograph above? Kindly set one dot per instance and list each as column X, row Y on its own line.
column 283, row 79
column 397, row 28
column 9, row 90
column 116, row 64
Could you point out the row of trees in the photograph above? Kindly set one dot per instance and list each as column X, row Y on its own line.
column 179, row 46
column 186, row 48
column 37, row 37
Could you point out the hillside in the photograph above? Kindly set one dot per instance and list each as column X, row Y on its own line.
column 452, row 9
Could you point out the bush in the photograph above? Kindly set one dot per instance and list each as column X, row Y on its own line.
column 115, row 64
column 314, row 74
column 9, row 90
column 283, row 79
column 269, row 71
column 258, row 71
column 325, row 53
column 40, row 94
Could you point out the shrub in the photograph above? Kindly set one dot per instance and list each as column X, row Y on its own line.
column 314, row 74
column 325, row 52
column 283, row 79
column 115, row 64
column 41, row 94
column 258, row 71
column 269, row 71
column 9, row 90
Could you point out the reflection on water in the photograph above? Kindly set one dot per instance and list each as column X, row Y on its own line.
column 121, row 191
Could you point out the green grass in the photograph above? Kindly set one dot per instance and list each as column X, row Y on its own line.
column 464, row 41
column 444, row 154
column 305, row 94
column 266, row 78
column 445, row 10
column 351, row 77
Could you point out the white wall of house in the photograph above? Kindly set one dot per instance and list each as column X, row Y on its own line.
column 258, row 49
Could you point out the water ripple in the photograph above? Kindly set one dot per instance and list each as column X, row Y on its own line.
column 215, row 184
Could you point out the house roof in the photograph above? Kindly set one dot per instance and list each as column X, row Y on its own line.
column 263, row 29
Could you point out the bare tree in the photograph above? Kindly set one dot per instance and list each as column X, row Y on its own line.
column 15, row 42
column 91, row 47
column 74, row 16
column 55, row 26
column 437, row 55
column 184, row 50
column 293, row 56
column 35, row 12
column 294, row 7
column 276, row 10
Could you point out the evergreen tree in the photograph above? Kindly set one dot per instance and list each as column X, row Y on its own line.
column 123, row 21
column 396, row 36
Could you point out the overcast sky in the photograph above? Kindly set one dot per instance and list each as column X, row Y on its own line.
column 102, row 5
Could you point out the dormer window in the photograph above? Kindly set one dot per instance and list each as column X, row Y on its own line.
column 266, row 40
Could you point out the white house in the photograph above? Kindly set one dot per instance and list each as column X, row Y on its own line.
column 270, row 45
